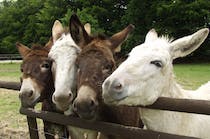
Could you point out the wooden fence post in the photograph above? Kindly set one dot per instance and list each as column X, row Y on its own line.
column 32, row 127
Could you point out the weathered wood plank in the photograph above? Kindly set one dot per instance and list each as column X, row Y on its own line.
column 10, row 57
column 32, row 127
column 182, row 105
column 108, row 128
column 10, row 85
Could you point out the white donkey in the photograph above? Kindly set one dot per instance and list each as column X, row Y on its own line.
column 148, row 74
column 63, row 55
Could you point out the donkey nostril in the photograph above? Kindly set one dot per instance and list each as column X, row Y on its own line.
column 92, row 104
column 74, row 107
column 30, row 93
column 70, row 94
column 118, row 86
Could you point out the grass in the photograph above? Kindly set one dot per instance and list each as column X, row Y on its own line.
column 190, row 76
column 10, row 71
column 9, row 107
column 12, row 123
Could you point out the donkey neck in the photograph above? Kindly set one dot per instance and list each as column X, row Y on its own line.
column 175, row 90
column 172, row 89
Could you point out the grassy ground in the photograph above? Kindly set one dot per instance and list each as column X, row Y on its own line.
column 191, row 76
column 10, row 71
column 14, row 125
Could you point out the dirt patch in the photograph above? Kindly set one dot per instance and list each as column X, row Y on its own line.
column 10, row 133
column 13, row 125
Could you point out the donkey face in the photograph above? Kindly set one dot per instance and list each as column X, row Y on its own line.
column 148, row 71
column 36, row 74
column 94, row 66
column 63, row 55
column 95, row 63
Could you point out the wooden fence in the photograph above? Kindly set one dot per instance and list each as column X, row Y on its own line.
column 181, row 105
column 10, row 57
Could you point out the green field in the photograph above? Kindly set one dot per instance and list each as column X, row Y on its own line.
column 190, row 76
column 10, row 71
column 12, row 124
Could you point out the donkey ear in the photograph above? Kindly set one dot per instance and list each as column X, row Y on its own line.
column 87, row 27
column 78, row 32
column 23, row 50
column 49, row 44
column 188, row 44
column 57, row 30
column 118, row 38
column 151, row 36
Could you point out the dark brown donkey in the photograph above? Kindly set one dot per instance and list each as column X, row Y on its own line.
column 37, row 84
column 95, row 63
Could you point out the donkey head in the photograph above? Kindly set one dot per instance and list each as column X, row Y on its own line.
column 36, row 77
column 148, row 71
column 95, row 63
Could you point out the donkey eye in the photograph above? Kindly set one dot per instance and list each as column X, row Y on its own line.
column 157, row 63
column 46, row 65
column 108, row 67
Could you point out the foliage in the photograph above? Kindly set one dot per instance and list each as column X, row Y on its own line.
column 51, row 11
column 31, row 21
column 175, row 17
column 85, row 18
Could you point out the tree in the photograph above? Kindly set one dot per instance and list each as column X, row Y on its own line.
column 52, row 10
column 107, row 12
column 15, row 19
column 176, row 18
column 85, row 17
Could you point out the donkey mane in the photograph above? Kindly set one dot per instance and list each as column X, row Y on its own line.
column 37, row 50
column 100, row 36
column 36, row 47
column 166, row 38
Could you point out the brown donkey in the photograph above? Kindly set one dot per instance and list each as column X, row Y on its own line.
column 37, row 84
column 95, row 63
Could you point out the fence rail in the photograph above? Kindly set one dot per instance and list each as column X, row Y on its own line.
column 10, row 57
column 104, row 127
column 10, row 85
column 163, row 103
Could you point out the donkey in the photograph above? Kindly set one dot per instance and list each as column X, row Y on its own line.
column 37, row 84
column 63, row 55
column 95, row 63
column 147, row 74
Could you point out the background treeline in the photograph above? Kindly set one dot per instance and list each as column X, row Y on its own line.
column 30, row 21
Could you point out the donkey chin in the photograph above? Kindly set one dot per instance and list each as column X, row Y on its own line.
column 29, row 103
column 88, row 116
